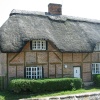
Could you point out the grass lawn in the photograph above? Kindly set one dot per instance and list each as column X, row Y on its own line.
column 6, row 95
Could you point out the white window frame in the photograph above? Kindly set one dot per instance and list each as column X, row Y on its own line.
column 95, row 68
column 34, row 72
column 38, row 45
column 97, row 47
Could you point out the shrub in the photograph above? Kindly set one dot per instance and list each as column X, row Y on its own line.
column 96, row 80
column 44, row 85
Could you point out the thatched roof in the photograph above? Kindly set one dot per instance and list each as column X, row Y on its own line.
column 68, row 34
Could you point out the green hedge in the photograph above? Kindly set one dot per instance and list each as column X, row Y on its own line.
column 44, row 85
column 96, row 80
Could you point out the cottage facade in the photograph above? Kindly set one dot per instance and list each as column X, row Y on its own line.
column 45, row 45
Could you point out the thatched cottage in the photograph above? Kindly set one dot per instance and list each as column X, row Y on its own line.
column 49, row 45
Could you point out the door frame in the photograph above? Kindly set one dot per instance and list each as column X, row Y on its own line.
column 80, row 71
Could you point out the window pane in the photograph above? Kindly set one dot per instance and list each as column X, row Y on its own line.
column 38, row 44
column 96, row 68
column 97, row 47
column 93, row 68
column 34, row 44
column 44, row 45
column 29, row 69
column 99, row 68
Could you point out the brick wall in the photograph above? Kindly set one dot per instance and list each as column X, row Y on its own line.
column 52, row 61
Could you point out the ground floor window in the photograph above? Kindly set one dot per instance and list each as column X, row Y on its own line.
column 96, row 68
column 34, row 72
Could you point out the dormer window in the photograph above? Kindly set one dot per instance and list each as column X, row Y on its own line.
column 38, row 45
column 97, row 47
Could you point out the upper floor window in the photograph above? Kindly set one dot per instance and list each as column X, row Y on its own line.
column 96, row 68
column 38, row 45
column 97, row 47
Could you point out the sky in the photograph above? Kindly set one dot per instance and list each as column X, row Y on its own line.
column 79, row 8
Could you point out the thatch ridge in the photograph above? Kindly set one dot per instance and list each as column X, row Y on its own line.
column 53, row 17
column 68, row 34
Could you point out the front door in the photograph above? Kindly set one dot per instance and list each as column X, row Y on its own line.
column 77, row 72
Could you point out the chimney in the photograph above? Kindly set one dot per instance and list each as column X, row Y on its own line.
column 55, row 9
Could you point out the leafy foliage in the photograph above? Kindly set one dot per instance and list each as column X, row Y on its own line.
column 44, row 85
column 96, row 80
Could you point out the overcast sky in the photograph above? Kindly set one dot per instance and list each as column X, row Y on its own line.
column 79, row 8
